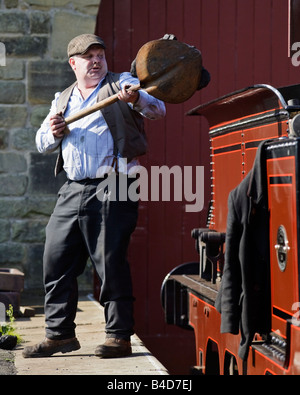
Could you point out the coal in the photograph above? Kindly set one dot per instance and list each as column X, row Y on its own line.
column 8, row 342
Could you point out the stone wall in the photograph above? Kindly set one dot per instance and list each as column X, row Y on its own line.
column 35, row 34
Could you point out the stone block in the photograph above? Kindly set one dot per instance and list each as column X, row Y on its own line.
column 45, row 78
column 4, row 230
column 40, row 22
column 33, row 266
column 23, row 139
column 67, row 25
column 41, row 175
column 27, row 207
column 89, row 7
column 28, row 231
column 47, row 4
column 13, row 185
column 11, row 280
column 12, row 253
column 11, row 162
column 3, row 139
column 12, row 116
column 14, row 70
column 38, row 114
column 25, row 46
column 12, row 92
column 13, row 207
column 2, row 54
column 14, row 22
column 41, row 206
column 11, row 3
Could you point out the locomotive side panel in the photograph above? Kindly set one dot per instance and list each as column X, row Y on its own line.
column 239, row 122
column 212, row 349
column 232, row 157
column 283, row 237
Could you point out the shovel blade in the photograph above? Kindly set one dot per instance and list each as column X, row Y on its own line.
column 169, row 70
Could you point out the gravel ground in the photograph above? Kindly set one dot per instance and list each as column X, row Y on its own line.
column 7, row 366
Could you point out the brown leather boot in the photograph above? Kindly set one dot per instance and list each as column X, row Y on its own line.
column 48, row 347
column 114, row 348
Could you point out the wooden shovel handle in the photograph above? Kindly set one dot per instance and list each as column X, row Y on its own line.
column 97, row 106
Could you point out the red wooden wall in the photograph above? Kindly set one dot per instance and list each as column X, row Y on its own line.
column 243, row 42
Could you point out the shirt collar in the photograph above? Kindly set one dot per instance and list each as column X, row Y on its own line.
column 77, row 93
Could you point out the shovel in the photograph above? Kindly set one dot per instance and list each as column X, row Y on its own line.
column 167, row 69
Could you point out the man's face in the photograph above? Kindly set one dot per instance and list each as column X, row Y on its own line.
column 91, row 67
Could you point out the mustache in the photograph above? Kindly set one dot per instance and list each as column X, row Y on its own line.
column 96, row 65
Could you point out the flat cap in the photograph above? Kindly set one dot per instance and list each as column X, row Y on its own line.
column 80, row 44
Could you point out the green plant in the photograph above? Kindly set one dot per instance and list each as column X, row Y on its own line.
column 8, row 328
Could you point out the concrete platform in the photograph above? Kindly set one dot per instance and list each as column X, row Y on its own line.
column 90, row 333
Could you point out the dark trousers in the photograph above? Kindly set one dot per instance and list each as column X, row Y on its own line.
column 86, row 223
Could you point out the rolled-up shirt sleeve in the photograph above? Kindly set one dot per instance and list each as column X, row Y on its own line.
column 45, row 141
column 146, row 105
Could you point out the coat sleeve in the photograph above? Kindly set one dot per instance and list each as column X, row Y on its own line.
column 229, row 299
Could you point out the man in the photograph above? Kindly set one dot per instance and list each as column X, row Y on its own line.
column 85, row 224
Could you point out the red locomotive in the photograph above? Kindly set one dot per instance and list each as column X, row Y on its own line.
column 268, row 118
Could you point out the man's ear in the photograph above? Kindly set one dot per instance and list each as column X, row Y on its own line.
column 72, row 63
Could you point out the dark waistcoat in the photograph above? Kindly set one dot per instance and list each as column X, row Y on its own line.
column 125, row 124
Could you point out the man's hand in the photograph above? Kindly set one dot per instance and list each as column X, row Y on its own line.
column 128, row 96
column 57, row 125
